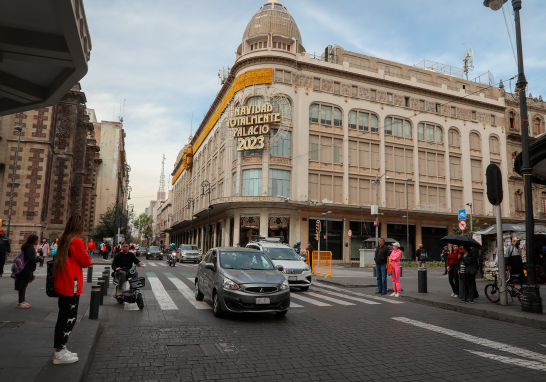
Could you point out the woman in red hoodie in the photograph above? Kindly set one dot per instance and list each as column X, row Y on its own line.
column 453, row 264
column 71, row 257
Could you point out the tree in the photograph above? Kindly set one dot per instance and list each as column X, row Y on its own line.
column 143, row 223
column 106, row 226
column 457, row 231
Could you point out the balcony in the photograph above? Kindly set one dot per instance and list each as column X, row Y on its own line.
column 44, row 50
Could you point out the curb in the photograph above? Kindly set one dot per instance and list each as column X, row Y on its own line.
column 348, row 285
column 83, row 341
column 499, row 316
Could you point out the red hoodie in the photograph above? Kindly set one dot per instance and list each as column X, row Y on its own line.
column 453, row 258
column 77, row 259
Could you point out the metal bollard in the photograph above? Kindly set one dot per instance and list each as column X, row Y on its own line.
column 374, row 271
column 422, row 280
column 461, row 286
column 90, row 274
column 107, row 269
column 401, row 269
column 106, row 279
column 102, row 288
column 95, row 301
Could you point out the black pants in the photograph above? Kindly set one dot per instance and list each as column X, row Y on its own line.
column 121, row 276
column 2, row 262
column 521, row 278
column 21, row 284
column 68, row 313
column 454, row 278
column 469, row 287
column 445, row 266
column 105, row 255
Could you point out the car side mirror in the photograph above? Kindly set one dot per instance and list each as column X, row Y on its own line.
column 210, row 266
column 280, row 268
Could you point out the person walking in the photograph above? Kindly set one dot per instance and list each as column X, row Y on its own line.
column 297, row 247
column 54, row 246
column 453, row 262
column 108, row 250
column 5, row 250
column 421, row 256
column 395, row 256
column 91, row 246
column 382, row 252
column 514, row 261
column 68, row 280
column 445, row 254
column 25, row 277
column 43, row 251
column 470, row 260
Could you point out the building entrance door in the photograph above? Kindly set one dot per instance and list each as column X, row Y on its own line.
column 279, row 226
column 250, row 225
column 335, row 237
column 431, row 241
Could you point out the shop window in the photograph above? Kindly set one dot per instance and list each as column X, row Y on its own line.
column 283, row 147
column 279, row 227
column 279, row 183
column 250, row 226
column 252, row 182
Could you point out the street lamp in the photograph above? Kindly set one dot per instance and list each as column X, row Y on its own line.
column 407, row 212
column 13, row 182
column 376, row 181
column 326, row 215
column 191, row 201
column 531, row 301
column 471, row 220
column 206, row 184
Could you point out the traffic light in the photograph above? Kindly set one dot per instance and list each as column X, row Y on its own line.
column 493, row 177
column 317, row 227
column 1, row 222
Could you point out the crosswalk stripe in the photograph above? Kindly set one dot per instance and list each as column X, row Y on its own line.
column 309, row 300
column 358, row 294
column 327, row 298
column 186, row 292
column 294, row 305
column 351, row 297
column 164, row 300
column 152, row 264
column 127, row 306
column 187, row 275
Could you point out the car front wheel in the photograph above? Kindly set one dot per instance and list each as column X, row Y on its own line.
column 198, row 295
column 216, row 308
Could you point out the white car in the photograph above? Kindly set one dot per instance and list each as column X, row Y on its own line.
column 296, row 271
column 189, row 252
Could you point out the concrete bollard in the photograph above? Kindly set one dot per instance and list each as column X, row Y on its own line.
column 401, row 270
column 102, row 288
column 106, row 277
column 95, row 302
column 422, row 280
column 90, row 274
column 374, row 271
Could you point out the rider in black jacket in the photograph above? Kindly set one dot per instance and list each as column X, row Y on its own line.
column 124, row 259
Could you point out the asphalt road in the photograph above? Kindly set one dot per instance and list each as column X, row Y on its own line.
column 329, row 334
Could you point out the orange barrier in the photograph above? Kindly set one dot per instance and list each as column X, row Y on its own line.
column 322, row 263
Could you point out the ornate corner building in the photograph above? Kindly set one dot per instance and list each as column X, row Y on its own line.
column 56, row 169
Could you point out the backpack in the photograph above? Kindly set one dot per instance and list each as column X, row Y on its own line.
column 104, row 248
column 18, row 264
column 423, row 255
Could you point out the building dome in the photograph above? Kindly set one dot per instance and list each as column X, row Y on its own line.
column 272, row 18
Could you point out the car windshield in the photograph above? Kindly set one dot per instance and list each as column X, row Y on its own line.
column 279, row 253
column 245, row 260
column 189, row 248
column 154, row 248
column 142, row 249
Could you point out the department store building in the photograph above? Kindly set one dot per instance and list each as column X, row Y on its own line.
column 345, row 119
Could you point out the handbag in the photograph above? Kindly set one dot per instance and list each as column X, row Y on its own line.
column 389, row 268
column 50, row 283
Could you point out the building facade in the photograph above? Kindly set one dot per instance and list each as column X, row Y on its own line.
column 347, row 131
column 56, row 170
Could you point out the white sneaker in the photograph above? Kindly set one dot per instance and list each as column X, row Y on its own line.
column 64, row 356
column 394, row 294
column 456, row 296
column 74, row 354
column 397, row 295
column 452, row 294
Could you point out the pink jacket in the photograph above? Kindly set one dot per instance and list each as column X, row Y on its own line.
column 395, row 257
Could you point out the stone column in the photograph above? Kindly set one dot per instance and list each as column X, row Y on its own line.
column 264, row 223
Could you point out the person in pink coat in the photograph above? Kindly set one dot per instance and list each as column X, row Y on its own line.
column 395, row 257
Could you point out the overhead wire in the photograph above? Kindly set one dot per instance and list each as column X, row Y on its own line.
column 509, row 35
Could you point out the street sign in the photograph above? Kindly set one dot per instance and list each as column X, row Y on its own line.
column 376, row 223
column 462, row 214
column 462, row 225
column 350, row 233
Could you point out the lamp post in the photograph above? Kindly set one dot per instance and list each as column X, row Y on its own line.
column 376, row 181
column 531, row 301
column 206, row 185
column 13, row 180
column 326, row 215
column 407, row 212
column 191, row 201
column 471, row 219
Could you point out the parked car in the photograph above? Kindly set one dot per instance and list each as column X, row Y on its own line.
column 154, row 252
column 141, row 251
column 241, row 280
column 295, row 270
column 190, row 252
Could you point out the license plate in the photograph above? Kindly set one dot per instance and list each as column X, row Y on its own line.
column 292, row 278
column 262, row 301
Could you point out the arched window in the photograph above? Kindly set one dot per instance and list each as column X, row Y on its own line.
column 475, row 142
column 519, row 200
column 362, row 120
column 494, row 147
column 454, row 138
column 398, row 127
column 512, row 117
column 326, row 112
column 255, row 101
column 430, row 133
column 538, row 126
column 285, row 106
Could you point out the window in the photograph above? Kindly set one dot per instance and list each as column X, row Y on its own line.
column 352, row 119
column 493, row 120
column 337, row 88
column 283, row 147
column 544, row 203
column 453, row 112
column 252, row 182
column 338, row 150
column 316, row 83
column 475, row 142
column 538, row 126
column 398, row 159
column 439, row 135
column 494, row 145
column 476, row 170
column 398, row 127
column 374, row 124
column 430, row 133
column 354, row 91
column 455, row 167
column 453, row 138
column 234, row 184
column 473, row 115
column 477, row 202
column 326, row 115
column 519, row 201
column 283, row 76
column 314, row 113
column 353, row 153
column 258, row 45
column 313, row 187
column 314, row 147
column 456, row 200
column 431, row 164
column 361, row 120
column 255, row 101
column 396, row 195
column 421, row 132
column 338, row 118
column 279, row 183
column 512, row 117
column 407, row 129
column 407, row 101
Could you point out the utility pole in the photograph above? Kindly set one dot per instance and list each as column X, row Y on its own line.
column 206, row 184
column 191, row 201
column 14, row 178
column 471, row 219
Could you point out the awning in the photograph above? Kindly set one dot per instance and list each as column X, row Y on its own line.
column 537, row 158
column 510, row 228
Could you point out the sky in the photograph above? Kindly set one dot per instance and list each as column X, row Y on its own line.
column 162, row 57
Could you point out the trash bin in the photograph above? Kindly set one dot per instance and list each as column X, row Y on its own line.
column 422, row 280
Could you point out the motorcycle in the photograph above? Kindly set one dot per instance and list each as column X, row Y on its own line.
column 173, row 259
column 131, row 293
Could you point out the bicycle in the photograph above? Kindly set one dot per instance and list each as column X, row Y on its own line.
column 492, row 291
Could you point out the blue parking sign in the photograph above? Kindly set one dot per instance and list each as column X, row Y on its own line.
column 462, row 214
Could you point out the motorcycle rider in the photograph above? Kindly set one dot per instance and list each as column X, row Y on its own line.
column 297, row 247
column 169, row 250
column 123, row 259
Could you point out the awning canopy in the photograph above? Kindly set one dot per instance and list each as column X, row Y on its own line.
column 537, row 157
column 510, row 228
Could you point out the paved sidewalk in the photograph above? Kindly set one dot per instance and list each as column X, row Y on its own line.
column 439, row 292
column 26, row 335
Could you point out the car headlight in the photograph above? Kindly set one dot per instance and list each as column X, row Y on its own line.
column 284, row 285
column 306, row 269
column 230, row 285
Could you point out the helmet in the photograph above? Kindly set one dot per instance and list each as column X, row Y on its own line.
column 515, row 240
column 173, row 245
